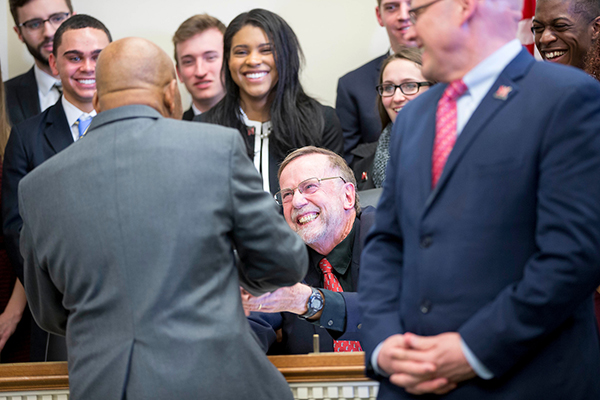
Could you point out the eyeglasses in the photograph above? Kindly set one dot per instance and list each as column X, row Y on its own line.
column 415, row 12
column 407, row 88
column 38, row 23
column 308, row 186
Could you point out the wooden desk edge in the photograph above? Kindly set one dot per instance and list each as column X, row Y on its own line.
column 323, row 367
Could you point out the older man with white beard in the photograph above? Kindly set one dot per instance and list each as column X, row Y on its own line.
column 319, row 203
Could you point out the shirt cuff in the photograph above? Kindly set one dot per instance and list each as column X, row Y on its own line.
column 374, row 364
column 480, row 369
column 333, row 316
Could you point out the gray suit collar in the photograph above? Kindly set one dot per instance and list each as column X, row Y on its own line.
column 122, row 113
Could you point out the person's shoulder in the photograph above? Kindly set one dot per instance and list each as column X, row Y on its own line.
column 18, row 80
column 32, row 125
column 370, row 67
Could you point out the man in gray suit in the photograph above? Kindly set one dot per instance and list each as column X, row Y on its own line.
column 128, row 236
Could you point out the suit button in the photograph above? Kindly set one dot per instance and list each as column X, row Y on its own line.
column 426, row 241
column 425, row 306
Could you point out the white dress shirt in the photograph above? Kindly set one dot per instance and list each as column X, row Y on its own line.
column 47, row 91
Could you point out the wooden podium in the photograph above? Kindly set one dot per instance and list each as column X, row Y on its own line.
column 324, row 376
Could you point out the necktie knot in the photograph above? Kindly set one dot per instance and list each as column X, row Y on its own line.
column 83, row 123
column 325, row 266
column 455, row 89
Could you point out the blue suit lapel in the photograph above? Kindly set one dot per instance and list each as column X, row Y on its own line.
column 490, row 106
column 57, row 131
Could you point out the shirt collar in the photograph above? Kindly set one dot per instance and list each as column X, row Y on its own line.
column 480, row 79
column 44, row 81
column 341, row 255
column 195, row 109
column 73, row 113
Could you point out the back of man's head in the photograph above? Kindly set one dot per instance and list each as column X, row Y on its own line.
column 193, row 26
column 16, row 4
column 79, row 21
column 136, row 71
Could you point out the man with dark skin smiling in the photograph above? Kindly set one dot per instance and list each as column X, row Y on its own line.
column 564, row 30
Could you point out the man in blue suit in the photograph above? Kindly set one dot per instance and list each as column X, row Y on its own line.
column 476, row 280
column 355, row 103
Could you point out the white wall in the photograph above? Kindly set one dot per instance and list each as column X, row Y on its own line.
column 336, row 35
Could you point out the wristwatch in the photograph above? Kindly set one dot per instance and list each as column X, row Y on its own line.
column 314, row 304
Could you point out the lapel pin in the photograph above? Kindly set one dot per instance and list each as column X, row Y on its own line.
column 364, row 176
column 251, row 131
column 502, row 92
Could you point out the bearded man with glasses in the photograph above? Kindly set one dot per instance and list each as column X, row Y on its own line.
column 320, row 204
column 36, row 21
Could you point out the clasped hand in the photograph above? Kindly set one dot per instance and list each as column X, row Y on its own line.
column 425, row 364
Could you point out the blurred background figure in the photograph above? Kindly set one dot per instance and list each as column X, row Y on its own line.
column 36, row 21
column 355, row 102
column 264, row 98
column 14, row 334
column 400, row 81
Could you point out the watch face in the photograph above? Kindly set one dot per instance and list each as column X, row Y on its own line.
column 316, row 303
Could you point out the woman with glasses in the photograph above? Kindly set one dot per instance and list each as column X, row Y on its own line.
column 400, row 81
column 264, row 98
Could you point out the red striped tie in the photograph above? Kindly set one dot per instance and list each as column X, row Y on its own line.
column 331, row 283
column 445, row 128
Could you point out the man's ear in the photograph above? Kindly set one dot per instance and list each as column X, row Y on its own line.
column 349, row 196
column 52, row 63
column 96, row 103
column 172, row 100
column 19, row 35
column 595, row 25
column 467, row 9
column 378, row 15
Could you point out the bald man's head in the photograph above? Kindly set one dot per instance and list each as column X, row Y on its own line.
column 136, row 71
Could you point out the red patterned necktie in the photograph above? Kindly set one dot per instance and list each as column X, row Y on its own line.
column 331, row 283
column 445, row 128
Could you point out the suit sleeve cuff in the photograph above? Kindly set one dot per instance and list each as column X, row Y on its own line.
column 480, row 369
column 333, row 316
column 374, row 364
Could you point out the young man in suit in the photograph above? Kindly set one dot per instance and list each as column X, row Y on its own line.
column 36, row 21
column 198, row 46
column 320, row 204
column 77, row 44
column 477, row 277
column 130, row 251
column 356, row 95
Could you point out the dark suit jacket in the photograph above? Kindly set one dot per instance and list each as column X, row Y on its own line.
column 30, row 144
column 356, row 106
column 188, row 115
column 331, row 138
column 297, row 332
column 506, row 249
column 22, row 99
